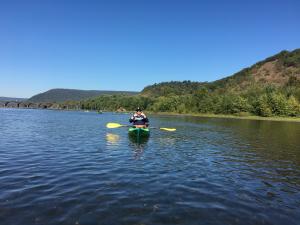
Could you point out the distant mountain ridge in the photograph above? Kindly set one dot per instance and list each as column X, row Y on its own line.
column 62, row 95
column 12, row 99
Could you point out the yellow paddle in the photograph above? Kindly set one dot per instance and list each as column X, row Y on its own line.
column 117, row 125
column 166, row 129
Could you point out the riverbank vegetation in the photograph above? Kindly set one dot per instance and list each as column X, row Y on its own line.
column 260, row 101
column 268, row 88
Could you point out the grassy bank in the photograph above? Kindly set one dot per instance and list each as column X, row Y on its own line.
column 286, row 119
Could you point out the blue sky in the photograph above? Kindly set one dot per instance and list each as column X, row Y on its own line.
column 128, row 44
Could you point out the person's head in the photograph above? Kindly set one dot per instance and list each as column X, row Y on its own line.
column 138, row 111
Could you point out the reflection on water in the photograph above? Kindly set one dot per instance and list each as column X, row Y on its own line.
column 138, row 145
column 138, row 140
column 58, row 167
column 112, row 139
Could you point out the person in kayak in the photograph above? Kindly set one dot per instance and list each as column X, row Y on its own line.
column 139, row 119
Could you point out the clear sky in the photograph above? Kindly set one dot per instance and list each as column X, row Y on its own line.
column 128, row 44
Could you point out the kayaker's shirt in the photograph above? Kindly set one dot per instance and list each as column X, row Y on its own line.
column 139, row 119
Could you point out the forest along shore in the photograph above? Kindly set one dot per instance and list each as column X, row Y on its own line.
column 267, row 90
column 252, row 117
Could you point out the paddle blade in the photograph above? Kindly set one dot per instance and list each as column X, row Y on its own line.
column 167, row 129
column 113, row 125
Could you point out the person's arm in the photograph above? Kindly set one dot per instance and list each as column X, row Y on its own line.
column 145, row 119
column 131, row 120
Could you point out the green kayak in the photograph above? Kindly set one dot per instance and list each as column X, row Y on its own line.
column 138, row 132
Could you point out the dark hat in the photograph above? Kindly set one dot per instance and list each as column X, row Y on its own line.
column 138, row 109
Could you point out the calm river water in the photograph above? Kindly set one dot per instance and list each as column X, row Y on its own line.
column 62, row 167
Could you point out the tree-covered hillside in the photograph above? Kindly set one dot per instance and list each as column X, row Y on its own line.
column 268, row 88
column 171, row 88
column 279, row 70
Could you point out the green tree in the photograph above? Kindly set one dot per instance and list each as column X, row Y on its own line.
column 261, row 106
column 293, row 106
column 278, row 103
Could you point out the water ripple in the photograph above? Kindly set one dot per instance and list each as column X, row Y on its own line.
column 60, row 167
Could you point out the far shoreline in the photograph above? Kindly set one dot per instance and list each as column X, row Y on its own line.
column 272, row 118
column 203, row 115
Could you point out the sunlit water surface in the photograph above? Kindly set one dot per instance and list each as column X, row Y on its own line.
column 62, row 167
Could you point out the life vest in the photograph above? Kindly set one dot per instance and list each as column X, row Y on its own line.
column 138, row 119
